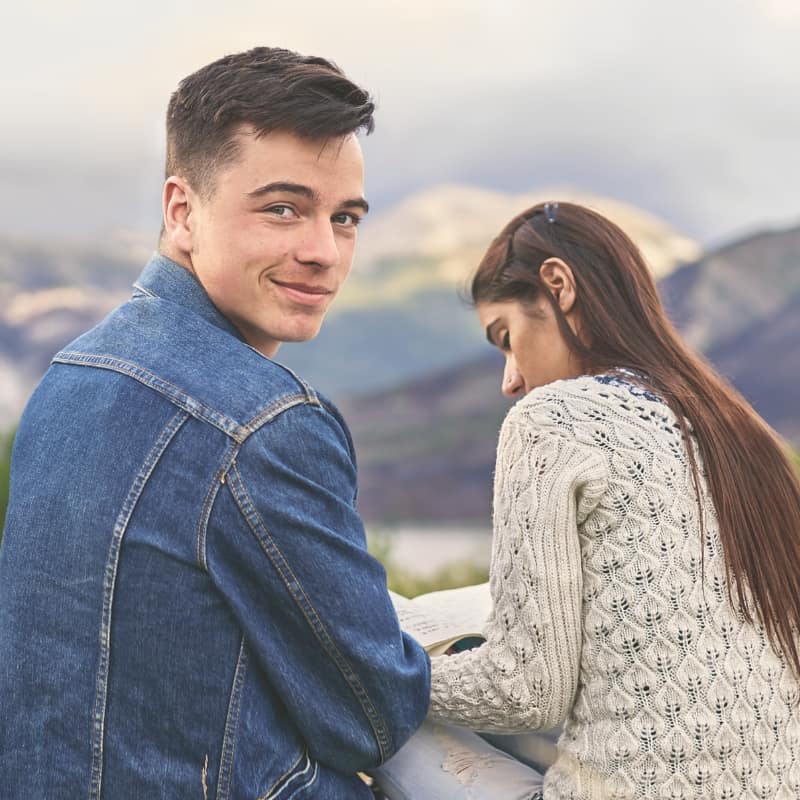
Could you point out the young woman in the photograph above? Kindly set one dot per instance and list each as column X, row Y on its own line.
column 646, row 559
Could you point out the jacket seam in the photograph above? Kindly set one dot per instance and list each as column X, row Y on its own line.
column 191, row 406
column 334, row 413
column 310, row 764
column 232, row 725
column 310, row 394
column 208, row 504
column 301, row 599
column 239, row 433
column 276, row 408
column 145, row 291
column 268, row 795
column 109, row 583
column 312, row 780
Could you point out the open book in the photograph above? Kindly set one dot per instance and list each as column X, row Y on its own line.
column 439, row 620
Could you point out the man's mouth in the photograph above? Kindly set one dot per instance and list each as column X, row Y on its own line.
column 304, row 293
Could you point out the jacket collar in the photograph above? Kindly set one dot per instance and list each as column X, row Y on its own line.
column 165, row 278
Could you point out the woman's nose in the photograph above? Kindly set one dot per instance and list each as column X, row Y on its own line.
column 512, row 380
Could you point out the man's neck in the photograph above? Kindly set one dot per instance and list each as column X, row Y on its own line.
column 178, row 256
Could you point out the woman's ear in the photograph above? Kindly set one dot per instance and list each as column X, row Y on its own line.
column 556, row 276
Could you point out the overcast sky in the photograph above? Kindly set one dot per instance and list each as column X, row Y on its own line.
column 689, row 108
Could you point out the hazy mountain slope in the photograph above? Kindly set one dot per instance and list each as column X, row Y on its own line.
column 763, row 362
column 734, row 287
column 452, row 225
column 413, row 264
column 27, row 266
column 49, row 293
column 369, row 348
column 399, row 316
column 34, row 325
column 427, row 449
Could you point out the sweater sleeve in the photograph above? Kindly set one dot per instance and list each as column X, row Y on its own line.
column 525, row 675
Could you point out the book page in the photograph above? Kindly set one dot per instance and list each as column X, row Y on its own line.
column 438, row 619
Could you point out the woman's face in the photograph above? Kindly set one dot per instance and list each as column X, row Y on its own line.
column 528, row 335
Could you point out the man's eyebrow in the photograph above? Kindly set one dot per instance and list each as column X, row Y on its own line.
column 286, row 187
column 304, row 191
column 357, row 202
column 490, row 331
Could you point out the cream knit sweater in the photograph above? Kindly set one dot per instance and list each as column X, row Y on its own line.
column 603, row 617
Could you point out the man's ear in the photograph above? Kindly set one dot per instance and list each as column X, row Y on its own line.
column 176, row 205
column 556, row 276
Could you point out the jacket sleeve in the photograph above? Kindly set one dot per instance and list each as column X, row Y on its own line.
column 288, row 550
column 526, row 673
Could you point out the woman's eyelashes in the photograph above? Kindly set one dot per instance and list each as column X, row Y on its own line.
column 505, row 341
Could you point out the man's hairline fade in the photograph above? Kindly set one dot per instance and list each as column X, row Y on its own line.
column 258, row 91
column 205, row 185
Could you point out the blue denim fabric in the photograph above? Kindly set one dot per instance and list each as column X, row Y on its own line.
column 187, row 606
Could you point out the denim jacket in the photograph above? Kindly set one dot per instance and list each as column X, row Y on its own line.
column 187, row 606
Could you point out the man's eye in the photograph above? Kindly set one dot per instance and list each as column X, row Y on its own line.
column 285, row 212
column 505, row 342
column 346, row 218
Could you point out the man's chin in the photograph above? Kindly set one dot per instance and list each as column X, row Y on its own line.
column 305, row 334
column 268, row 343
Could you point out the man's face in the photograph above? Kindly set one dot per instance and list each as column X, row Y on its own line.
column 274, row 243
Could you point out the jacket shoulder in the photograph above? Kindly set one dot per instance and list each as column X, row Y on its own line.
column 177, row 353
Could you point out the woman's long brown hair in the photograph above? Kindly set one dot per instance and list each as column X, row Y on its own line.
column 755, row 490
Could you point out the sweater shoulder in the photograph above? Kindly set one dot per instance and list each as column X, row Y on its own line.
column 590, row 409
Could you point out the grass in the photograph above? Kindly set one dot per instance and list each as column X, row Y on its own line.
column 410, row 584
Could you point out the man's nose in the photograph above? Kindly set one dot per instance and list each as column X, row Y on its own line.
column 319, row 245
column 512, row 379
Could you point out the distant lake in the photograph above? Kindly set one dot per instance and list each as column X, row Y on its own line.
column 425, row 550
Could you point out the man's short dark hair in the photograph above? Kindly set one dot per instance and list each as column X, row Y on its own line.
column 268, row 88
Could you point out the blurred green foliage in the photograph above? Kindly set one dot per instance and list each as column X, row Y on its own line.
column 794, row 457
column 410, row 584
column 6, row 440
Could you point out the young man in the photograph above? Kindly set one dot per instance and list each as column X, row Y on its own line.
column 187, row 607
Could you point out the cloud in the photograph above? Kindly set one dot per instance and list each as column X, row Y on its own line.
column 685, row 108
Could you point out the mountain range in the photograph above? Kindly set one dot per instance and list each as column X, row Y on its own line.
column 399, row 316
column 407, row 291
column 740, row 306
column 402, row 353
column 430, row 445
